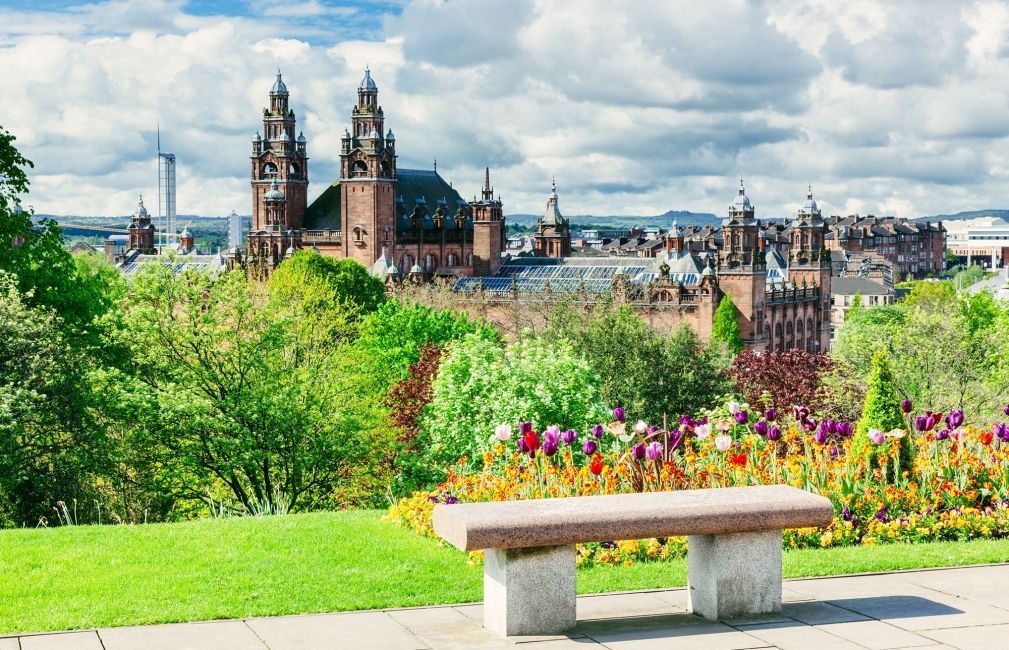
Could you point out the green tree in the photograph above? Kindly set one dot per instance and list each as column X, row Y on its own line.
column 856, row 306
column 244, row 395
column 725, row 326
column 649, row 374
column 481, row 385
column 882, row 412
column 392, row 336
column 45, row 445
column 931, row 295
column 334, row 292
column 867, row 331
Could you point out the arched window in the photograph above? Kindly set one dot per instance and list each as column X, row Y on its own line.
column 358, row 233
column 779, row 338
column 430, row 262
column 387, row 234
column 269, row 170
column 469, row 259
column 359, row 169
column 812, row 338
column 451, row 260
column 384, row 169
column 294, row 171
column 406, row 263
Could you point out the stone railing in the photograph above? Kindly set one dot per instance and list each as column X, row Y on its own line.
column 314, row 236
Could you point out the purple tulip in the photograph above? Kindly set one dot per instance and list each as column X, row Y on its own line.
column 597, row 431
column 525, row 427
column 549, row 448
column 930, row 422
column 618, row 414
column 833, row 451
column 1001, row 431
column 920, row 422
column 523, row 447
column 808, row 424
column 771, row 415
column 906, row 406
column 955, row 418
column 652, row 430
column 451, row 500
column 569, row 436
column 686, row 421
column 831, row 426
column 820, row 436
column 639, row 451
column 942, row 435
column 845, row 429
column 760, row 427
column 653, row 451
column 774, row 434
column 742, row 417
column 1006, row 409
column 590, row 447
column 703, row 420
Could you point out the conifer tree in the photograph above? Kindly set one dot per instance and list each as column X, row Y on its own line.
column 882, row 412
column 725, row 327
column 855, row 308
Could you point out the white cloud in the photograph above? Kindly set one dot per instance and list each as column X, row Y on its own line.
column 636, row 109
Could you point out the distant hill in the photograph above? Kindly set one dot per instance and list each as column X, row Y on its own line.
column 969, row 214
column 682, row 217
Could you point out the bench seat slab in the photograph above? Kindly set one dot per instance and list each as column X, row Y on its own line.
column 734, row 575
column 529, row 591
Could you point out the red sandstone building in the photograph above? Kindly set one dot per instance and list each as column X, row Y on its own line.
column 394, row 221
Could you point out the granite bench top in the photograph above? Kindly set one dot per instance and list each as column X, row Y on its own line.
column 570, row 520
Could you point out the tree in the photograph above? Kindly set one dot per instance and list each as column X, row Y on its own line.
column 931, row 296
column 335, row 292
column 391, row 338
column 725, row 326
column 45, row 446
column 649, row 374
column 868, row 331
column 481, row 385
column 787, row 379
column 244, row 395
column 34, row 253
column 856, row 306
column 882, row 412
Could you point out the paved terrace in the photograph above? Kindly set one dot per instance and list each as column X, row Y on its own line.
column 944, row 608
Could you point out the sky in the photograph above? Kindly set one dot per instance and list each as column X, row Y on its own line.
column 898, row 107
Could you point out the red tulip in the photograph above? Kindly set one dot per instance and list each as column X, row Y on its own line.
column 596, row 466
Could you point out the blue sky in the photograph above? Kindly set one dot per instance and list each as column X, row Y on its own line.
column 636, row 108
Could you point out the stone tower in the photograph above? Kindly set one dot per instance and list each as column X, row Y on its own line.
column 809, row 265
column 278, row 158
column 367, row 179
column 553, row 233
column 742, row 272
column 488, row 230
column 141, row 230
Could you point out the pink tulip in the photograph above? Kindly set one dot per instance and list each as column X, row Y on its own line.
column 702, row 431
column 722, row 443
column 876, row 436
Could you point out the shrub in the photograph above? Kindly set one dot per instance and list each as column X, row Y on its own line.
column 480, row 385
column 785, row 379
column 882, row 412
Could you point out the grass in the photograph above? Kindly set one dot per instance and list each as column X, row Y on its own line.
column 81, row 577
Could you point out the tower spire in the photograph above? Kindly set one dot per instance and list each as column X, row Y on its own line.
column 488, row 191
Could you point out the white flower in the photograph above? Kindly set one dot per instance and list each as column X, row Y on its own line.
column 640, row 426
column 702, row 431
column 722, row 443
column 503, row 432
column 733, row 407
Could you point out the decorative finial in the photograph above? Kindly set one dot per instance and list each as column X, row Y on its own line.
column 553, row 184
column 436, row 164
column 486, row 178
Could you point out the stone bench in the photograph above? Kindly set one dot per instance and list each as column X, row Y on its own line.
column 733, row 558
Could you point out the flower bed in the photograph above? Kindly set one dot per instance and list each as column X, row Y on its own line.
column 956, row 487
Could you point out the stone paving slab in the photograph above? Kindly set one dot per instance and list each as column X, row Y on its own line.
column 965, row 608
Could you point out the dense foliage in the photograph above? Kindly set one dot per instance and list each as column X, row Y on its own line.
column 652, row 375
column 882, row 413
column 725, row 326
column 780, row 379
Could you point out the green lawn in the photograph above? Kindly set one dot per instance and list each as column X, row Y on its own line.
column 65, row 578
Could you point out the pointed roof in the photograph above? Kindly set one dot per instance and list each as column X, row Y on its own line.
column 553, row 216
column 279, row 88
column 367, row 83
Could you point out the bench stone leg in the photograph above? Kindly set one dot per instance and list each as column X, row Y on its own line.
column 734, row 575
column 529, row 591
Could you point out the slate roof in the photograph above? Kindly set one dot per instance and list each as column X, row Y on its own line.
column 849, row 286
column 416, row 187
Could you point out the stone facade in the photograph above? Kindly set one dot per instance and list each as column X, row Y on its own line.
column 397, row 222
column 782, row 301
column 913, row 248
